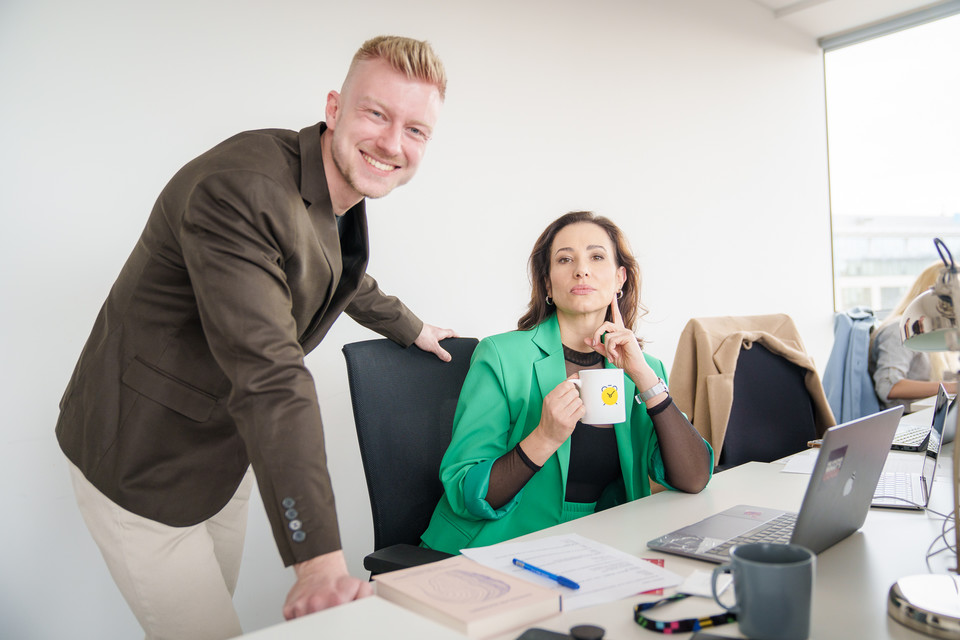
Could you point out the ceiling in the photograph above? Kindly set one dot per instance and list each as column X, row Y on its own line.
column 822, row 18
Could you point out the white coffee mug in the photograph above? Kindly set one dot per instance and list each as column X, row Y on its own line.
column 602, row 393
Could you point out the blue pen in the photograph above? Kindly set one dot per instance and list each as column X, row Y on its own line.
column 563, row 582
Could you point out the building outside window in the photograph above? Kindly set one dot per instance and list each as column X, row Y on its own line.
column 893, row 120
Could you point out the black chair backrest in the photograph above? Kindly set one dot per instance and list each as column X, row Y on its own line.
column 772, row 414
column 403, row 405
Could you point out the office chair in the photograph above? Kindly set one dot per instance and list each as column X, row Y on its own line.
column 772, row 414
column 706, row 378
column 403, row 405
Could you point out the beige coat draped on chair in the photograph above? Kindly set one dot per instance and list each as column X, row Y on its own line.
column 701, row 379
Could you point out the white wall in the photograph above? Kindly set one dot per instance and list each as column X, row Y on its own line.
column 698, row 125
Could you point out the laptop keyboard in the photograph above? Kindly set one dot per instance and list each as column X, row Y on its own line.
column 912, row 436
column 777, row 531
column 895, row 483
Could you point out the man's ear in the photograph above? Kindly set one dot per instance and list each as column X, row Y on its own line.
column 332, row 110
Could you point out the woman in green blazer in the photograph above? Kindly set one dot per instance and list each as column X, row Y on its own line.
column 519, row 459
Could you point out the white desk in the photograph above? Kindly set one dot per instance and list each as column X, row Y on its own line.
column 367, row 618
column 850, row 592
column 852, row 577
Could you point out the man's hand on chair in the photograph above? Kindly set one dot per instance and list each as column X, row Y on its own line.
column 430, row 337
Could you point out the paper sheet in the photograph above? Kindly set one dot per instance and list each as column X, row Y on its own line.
column 698, row 584
column 802, row 462
column 604, row 574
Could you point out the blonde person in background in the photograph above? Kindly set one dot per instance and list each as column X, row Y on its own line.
column 899, row 373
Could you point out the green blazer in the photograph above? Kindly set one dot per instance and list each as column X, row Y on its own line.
column 500, row 404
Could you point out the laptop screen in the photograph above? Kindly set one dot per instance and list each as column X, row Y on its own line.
column 936, row 438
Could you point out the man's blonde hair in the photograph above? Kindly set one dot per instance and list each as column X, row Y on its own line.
column 413, row 58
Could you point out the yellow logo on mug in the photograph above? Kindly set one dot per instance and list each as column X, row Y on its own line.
column 609, row 394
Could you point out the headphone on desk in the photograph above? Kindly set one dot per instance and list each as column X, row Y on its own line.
column 677, row 626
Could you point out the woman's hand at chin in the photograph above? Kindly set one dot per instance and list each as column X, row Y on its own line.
column 621, row 348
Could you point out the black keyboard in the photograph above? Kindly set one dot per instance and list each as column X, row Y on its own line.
column 777, row 531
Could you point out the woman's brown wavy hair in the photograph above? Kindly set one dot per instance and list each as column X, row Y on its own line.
column 539, row 266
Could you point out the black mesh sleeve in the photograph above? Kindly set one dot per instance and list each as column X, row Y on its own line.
column 509, row 473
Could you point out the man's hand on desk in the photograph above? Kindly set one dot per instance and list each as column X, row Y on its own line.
column 323, row 582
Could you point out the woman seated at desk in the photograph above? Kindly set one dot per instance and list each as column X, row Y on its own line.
column 519, row 459
column 899, row 373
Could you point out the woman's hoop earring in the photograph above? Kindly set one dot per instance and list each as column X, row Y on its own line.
column 619, row 293
column 549, row 301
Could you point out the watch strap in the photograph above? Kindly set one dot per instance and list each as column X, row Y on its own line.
column 655, row 390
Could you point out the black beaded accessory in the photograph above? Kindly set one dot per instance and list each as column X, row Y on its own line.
column 677, row 626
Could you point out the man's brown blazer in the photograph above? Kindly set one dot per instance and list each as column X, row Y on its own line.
column 194, row 368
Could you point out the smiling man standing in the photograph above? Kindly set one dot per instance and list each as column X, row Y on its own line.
column 194, row 371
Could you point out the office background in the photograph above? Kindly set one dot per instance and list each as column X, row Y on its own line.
column 697, row 125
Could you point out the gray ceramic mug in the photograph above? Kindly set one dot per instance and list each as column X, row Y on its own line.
column 773, row 585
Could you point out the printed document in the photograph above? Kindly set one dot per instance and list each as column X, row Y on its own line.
column 604, row 574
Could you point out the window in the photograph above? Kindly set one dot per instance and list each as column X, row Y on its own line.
column 893, row 119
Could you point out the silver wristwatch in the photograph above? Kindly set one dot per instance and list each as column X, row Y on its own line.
column 655, row 390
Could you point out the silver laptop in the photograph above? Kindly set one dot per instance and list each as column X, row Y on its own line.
column 912, row 437
column 950, row 428
column 906, row 484
column 915, row 427
column 835, row 505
